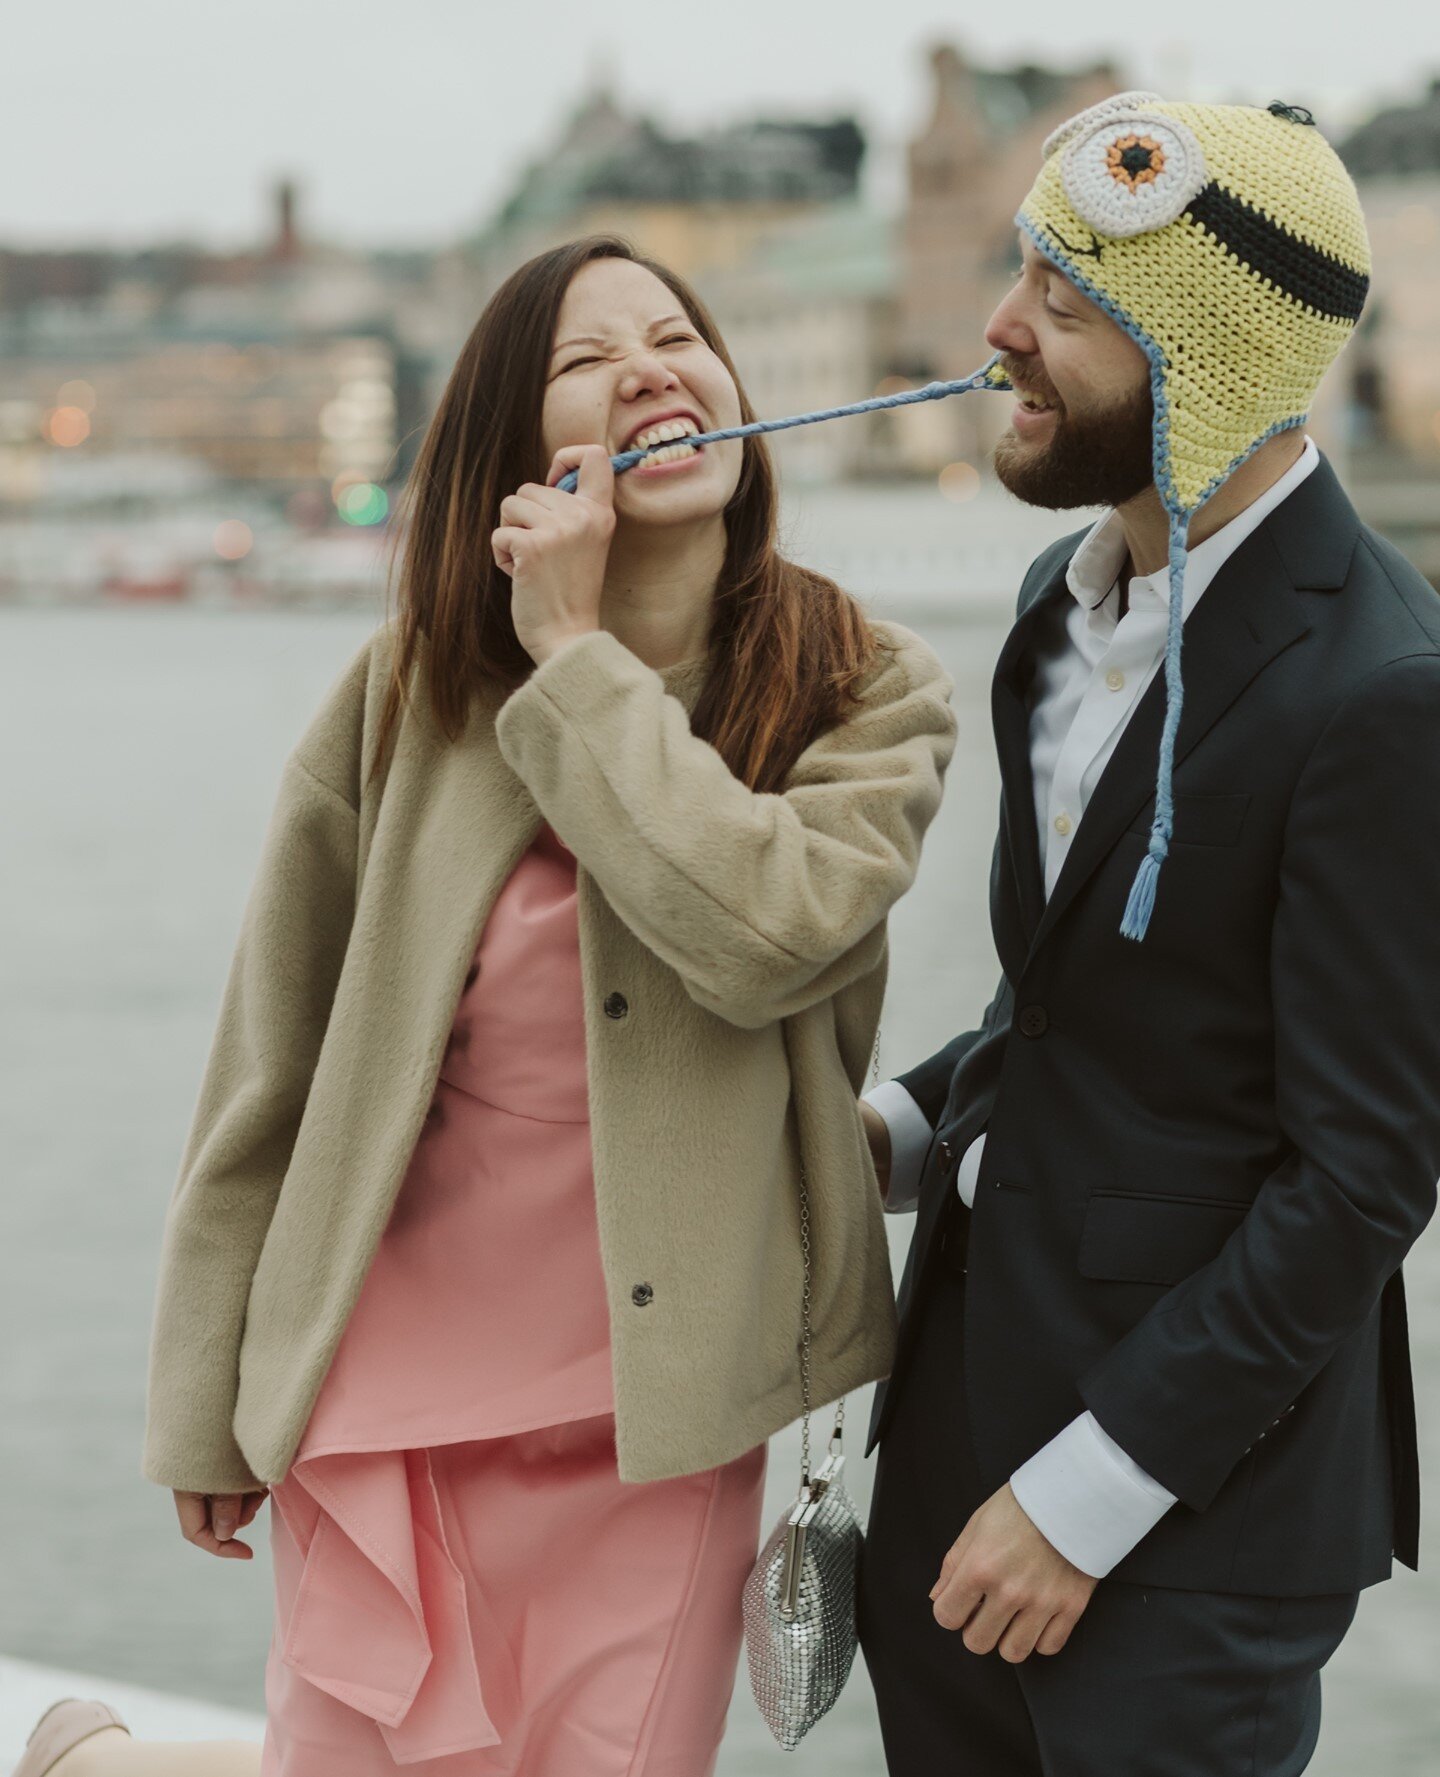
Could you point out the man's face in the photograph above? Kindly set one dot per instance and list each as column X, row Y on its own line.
column 1081, row 431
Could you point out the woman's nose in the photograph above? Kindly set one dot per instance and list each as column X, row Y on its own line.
column 646, row 374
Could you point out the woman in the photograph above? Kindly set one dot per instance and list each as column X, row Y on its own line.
column 567, row 950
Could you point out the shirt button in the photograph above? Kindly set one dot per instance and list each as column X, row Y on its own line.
column 616, row 1005
column 1062, row 825
column 1034, row 1021
column 642, row 1295
column 1115, row 679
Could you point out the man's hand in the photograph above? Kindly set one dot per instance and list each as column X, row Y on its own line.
column 1002, row 1585
column 877, row 1133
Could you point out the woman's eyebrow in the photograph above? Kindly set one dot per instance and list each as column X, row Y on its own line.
column 590, row 339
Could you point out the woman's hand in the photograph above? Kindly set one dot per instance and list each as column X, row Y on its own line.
column 210, row 1520
column 554, row 548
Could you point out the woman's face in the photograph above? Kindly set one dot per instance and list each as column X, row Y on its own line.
column 627, row 359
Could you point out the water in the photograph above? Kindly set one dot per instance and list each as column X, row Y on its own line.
column 139, row 751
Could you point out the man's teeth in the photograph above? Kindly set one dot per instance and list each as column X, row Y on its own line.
column 668, row 437
column 1033, row 404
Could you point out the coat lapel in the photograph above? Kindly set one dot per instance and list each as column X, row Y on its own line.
column 453, row 822
column 1250, row 613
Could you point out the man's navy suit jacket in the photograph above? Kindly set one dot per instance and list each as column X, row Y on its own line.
column 1209, row 1152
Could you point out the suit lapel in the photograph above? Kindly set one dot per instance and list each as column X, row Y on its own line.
column 1250, row 613
column 1009, row 709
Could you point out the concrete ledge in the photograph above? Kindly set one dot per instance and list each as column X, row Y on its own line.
column 27, row 1691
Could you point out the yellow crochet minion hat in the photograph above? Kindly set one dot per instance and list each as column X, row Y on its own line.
column 1229, row 243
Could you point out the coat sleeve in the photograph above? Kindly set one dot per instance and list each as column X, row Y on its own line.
column 764, row 903
column 1355, row 960
column 272, row 1021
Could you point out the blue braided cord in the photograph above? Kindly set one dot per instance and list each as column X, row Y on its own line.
column 1162, row 829
column 989, row 376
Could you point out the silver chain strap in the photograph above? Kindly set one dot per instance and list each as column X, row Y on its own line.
column 805, row 1315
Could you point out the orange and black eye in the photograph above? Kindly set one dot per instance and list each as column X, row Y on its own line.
column 1135, row 160
column 1133, row 173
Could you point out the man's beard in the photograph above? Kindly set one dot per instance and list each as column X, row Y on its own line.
column 1102, row 458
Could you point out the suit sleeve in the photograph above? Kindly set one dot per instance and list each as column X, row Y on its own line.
column 762, row 903
column 928, row 1083
column 1354, row 965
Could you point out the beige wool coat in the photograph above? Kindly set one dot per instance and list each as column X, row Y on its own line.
column 733, row 951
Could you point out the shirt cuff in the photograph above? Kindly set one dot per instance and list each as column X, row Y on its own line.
column 910, row 1139
column 1087, row 1498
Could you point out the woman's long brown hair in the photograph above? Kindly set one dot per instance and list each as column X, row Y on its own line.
column 787, row 646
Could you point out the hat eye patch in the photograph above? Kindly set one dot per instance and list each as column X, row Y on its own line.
column 1133, row 173
column 1118, row 105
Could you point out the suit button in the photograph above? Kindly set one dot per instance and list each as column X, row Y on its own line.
column 616, row 1005
column 947, row 1153
column 1034, row 1021
column 642, row 1295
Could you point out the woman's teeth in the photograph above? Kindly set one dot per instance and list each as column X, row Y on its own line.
column 665, row 443
column 672, row 453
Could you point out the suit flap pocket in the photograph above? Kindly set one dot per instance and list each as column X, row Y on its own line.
column 1202, row 820
column 1134, row 1237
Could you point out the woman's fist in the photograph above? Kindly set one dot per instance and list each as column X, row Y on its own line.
column 210, row 1520
column 554, row 547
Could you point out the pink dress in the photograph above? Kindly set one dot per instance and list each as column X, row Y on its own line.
column 462, row 1580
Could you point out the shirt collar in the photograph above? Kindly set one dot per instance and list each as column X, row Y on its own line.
column 1096, row 564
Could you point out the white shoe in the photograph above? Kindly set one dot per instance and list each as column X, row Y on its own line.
column 62, row 1727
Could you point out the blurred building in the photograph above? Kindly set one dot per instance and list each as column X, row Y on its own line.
column 694, row 202
column 1394, row 362
column 1384, row 405
column 809, row 318
column 972, row 161
column 282, row 409
column 284, row 368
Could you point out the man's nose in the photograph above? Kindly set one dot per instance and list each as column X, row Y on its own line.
column 1007, row 329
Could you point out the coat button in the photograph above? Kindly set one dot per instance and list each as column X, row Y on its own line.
column 642, row 1295
column 616, row 1005
column 1034, row 1021
column 947, row 1153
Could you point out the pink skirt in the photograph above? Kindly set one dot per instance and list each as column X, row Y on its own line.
column 505, row 1608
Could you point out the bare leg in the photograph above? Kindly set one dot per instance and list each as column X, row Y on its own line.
column 112, row 1753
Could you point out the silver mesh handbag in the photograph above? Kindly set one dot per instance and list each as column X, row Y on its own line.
column 799, row 1600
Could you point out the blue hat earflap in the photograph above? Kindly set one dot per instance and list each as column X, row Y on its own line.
column 1162, row 829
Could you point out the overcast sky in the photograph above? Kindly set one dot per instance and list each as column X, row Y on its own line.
column 134, row 120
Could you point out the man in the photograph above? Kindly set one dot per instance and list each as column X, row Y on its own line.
column 1153, row 1329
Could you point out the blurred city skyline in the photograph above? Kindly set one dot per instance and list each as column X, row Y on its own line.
column 156, row 123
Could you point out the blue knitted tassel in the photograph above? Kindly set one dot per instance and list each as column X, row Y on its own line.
column 989, row 376
column 1141, row 904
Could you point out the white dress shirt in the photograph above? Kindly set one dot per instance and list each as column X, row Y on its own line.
column 1082, row 1492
